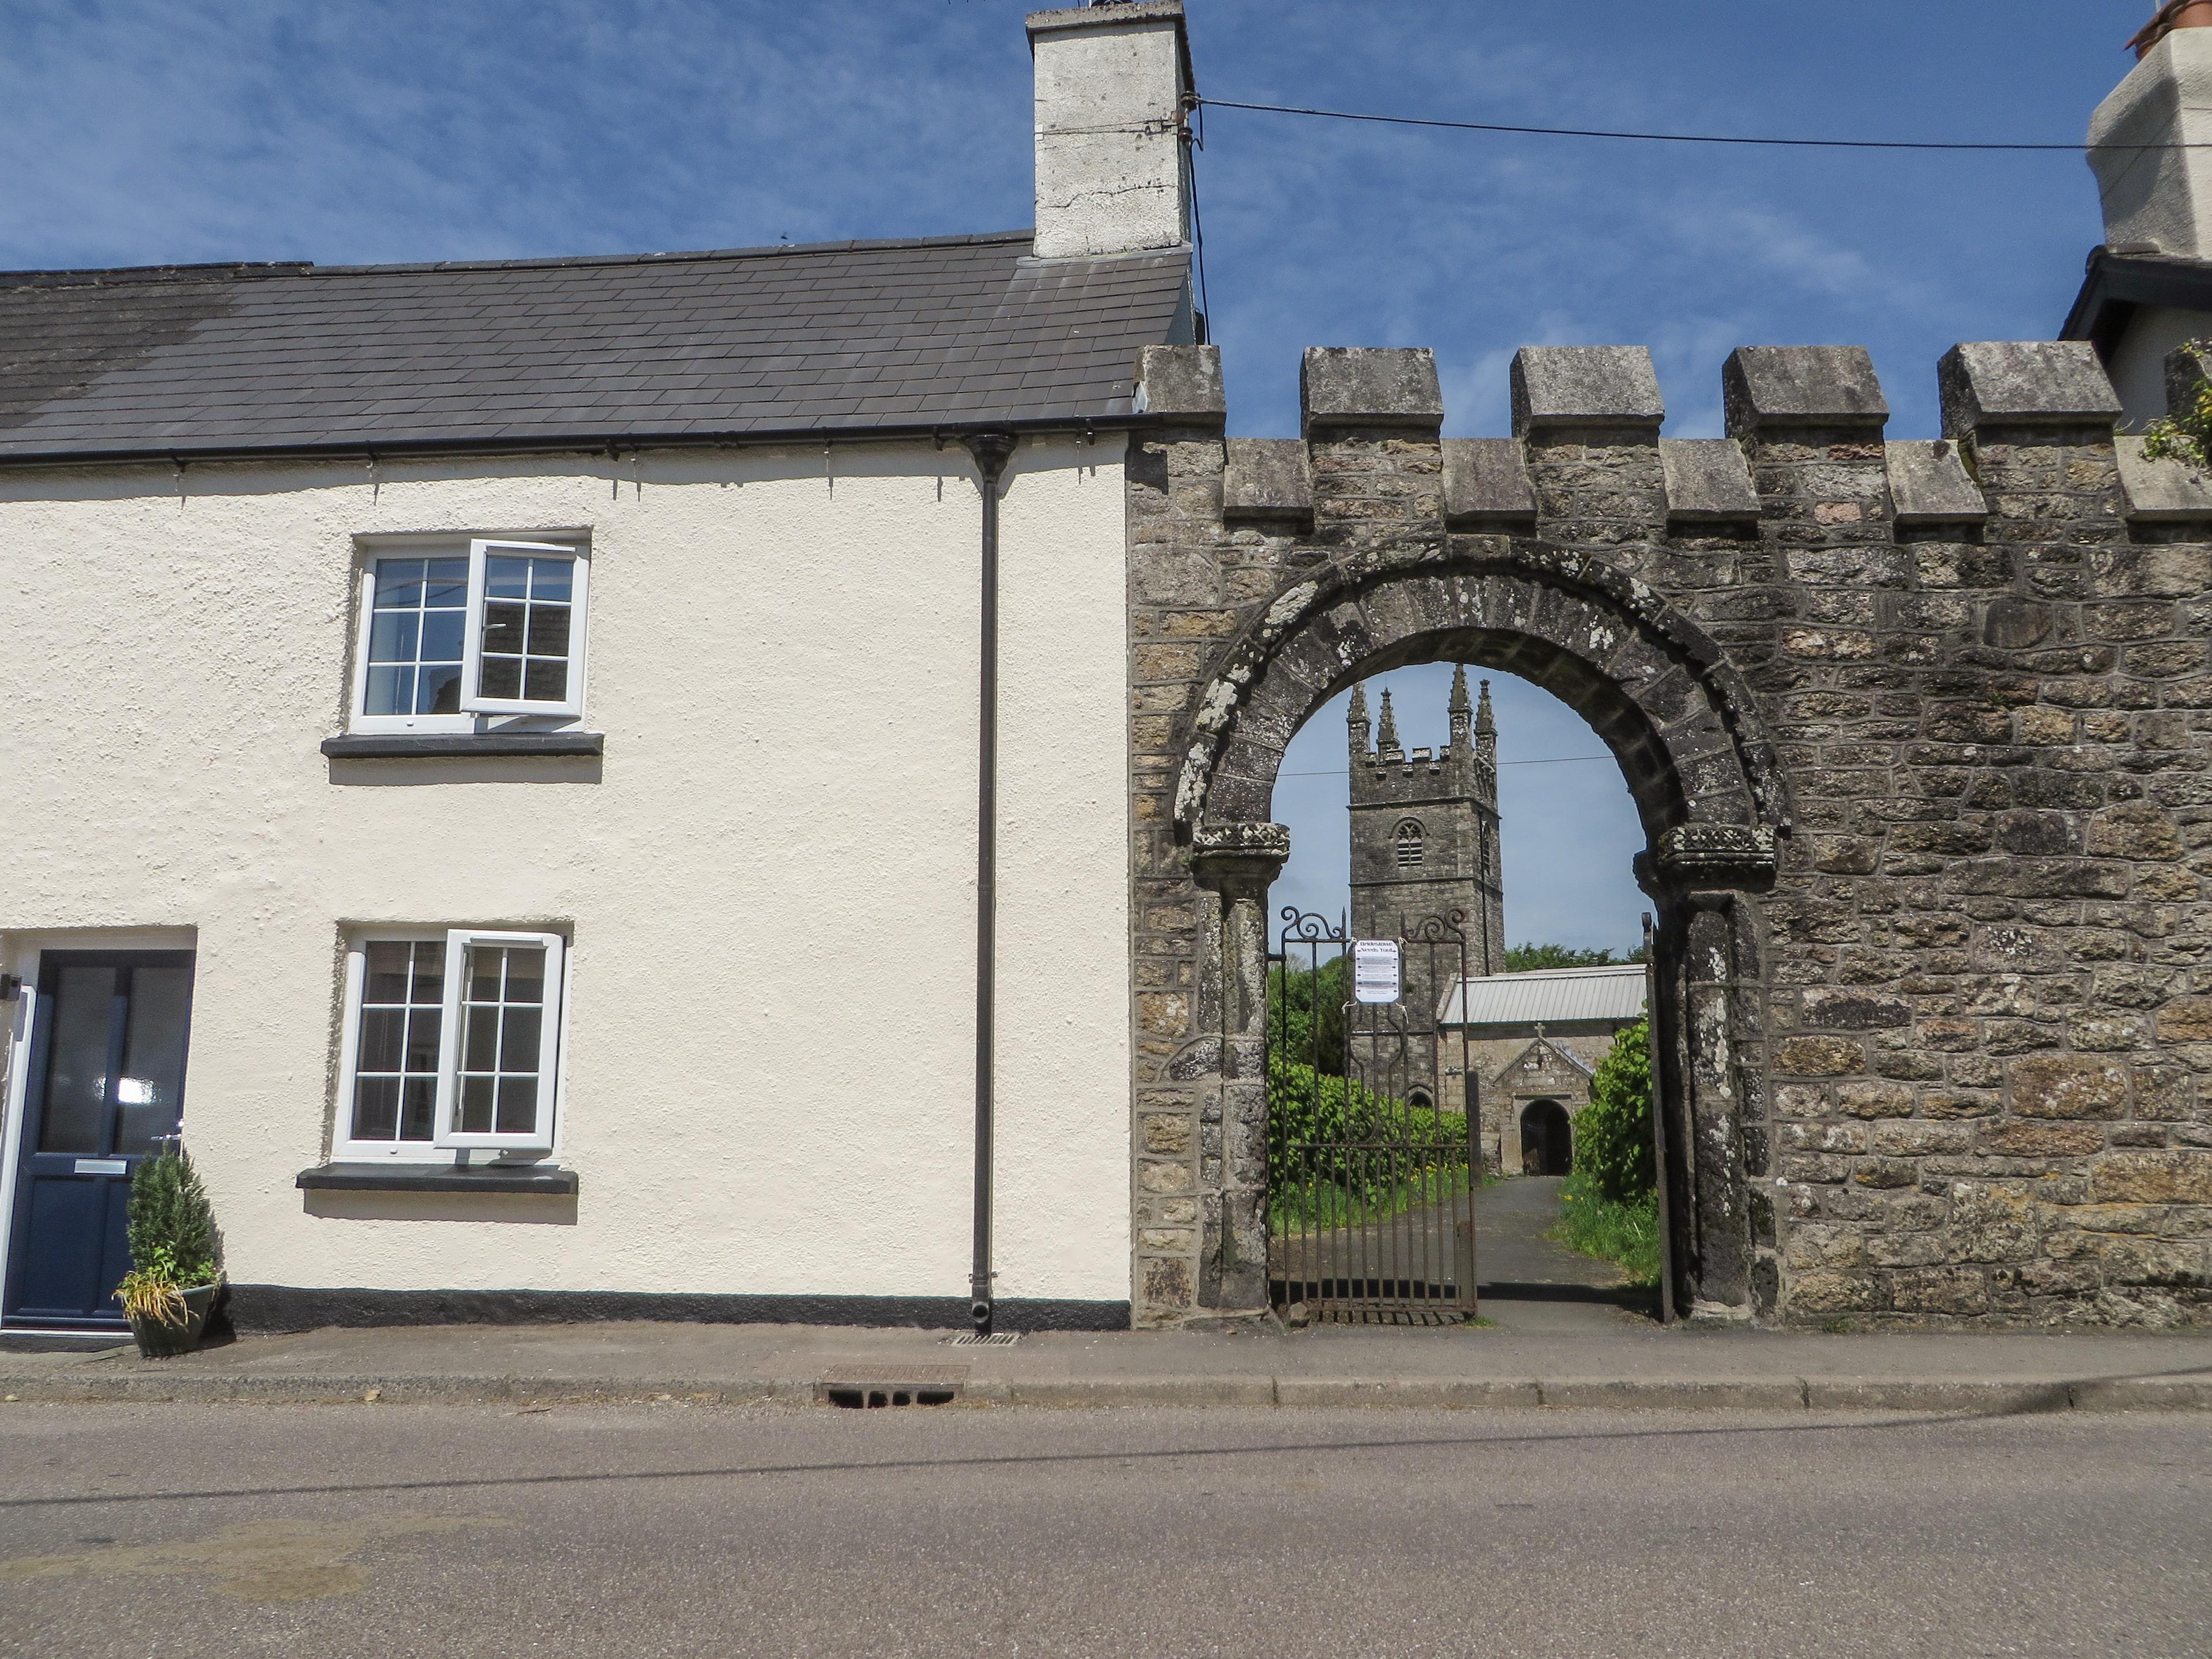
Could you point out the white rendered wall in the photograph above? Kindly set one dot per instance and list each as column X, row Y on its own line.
column 770, row 881
column 2138, row 360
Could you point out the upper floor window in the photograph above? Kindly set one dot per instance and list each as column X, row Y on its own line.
column 449, row 641
column 1409, row 845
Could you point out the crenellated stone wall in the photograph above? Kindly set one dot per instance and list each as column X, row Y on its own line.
column 1916, row 731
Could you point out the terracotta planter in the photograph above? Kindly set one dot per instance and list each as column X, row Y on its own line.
column 157, row 1341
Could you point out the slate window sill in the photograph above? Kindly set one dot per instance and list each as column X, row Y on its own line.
column 526, row 1178
column 407, row 746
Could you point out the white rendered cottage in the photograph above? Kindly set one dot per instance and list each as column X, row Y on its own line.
column 496, row 749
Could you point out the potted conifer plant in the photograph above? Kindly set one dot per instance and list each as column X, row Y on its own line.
column 175, row 1257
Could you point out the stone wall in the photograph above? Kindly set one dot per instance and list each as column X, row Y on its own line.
column 1916, row 731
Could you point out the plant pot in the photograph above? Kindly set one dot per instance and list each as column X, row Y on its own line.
column 157, row 1341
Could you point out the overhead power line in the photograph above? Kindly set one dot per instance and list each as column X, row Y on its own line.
column 1671, row 137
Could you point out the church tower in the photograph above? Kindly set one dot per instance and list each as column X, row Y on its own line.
column 1425, row 833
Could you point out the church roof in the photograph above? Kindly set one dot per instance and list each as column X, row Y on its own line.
column 589, row 353
column 1554, row 996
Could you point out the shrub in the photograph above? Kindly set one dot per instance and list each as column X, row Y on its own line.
column 170, row 1225
column 1613, row 1134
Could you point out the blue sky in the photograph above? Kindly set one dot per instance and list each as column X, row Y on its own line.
column 342, row 131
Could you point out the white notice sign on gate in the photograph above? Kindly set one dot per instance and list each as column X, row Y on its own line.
column 1375, row 970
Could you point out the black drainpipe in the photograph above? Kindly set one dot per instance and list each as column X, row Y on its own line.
column 992, row 451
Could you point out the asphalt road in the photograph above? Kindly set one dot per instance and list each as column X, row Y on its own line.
column 682, row 1529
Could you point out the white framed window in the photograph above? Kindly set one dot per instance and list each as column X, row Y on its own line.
column 455, row 634
column 451, row 1042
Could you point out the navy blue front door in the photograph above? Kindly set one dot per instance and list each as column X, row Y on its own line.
column 104, row 1090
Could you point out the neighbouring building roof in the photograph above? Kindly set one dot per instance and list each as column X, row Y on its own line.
column 2116, row 284
column 1555, row 996
column 845, row 337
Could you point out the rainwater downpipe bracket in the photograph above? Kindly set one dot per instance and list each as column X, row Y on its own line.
column 992, row 451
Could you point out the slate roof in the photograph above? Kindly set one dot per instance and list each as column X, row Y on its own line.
column 844, row 337
column 1554, row 996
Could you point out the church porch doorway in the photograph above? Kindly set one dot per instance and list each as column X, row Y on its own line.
column 1547, row 1139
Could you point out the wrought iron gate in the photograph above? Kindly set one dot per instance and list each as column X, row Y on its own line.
column 1374, row 1131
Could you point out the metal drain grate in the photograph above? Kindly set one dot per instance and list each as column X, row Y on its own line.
column 996, row 1339
column 865, row 1387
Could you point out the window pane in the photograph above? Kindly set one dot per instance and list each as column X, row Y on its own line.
column 518, row 1105
column 501, row 676
column 550, row 579
column 76, row 1117
column 503, row 626
column 525, row 973
column 375, row 1108
column 442, row 632
column 418, row 1116
column 480, row 1052
column 399, row 583
column 393, row 636
column 390, row 691
column 423, row 1026
column 546, row 682
column 381, row 1033
column 151, row 1088
column 472, row 1114
column 549, row 630
column 518, row 1040
column 447, row 583
column 505, row 578
column 429, row 971
column 485, row 962
column 386, row 980
column 440, row 692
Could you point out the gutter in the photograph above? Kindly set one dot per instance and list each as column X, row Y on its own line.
column 576, row 443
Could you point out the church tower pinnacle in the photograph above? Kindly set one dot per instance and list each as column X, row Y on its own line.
column 1459, row 709
column 1356, row 724
column 1485, row 728
column 1386, row 742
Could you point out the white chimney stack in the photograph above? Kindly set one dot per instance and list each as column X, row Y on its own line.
column 2159, row 201
column 1110, row 169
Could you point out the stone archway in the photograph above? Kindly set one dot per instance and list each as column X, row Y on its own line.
column 1654, row 687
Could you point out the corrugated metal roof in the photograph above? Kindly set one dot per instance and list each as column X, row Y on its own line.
column 835, row 338
column 1555, row 996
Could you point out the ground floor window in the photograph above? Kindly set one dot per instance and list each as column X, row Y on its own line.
column 452, row 1041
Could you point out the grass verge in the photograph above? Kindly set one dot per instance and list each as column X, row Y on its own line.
column 1624, row 1234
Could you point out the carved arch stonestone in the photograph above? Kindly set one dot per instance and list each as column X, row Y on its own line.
column 1656, row 688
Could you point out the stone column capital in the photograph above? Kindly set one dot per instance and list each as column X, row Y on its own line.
column 1239, row 860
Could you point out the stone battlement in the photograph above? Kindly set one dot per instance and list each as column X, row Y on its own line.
column 1608, row 398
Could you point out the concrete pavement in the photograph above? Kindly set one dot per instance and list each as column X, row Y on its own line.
column 1633, row 1363
column 677, row 1529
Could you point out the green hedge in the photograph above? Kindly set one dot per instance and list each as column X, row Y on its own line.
column 1613, row 1134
